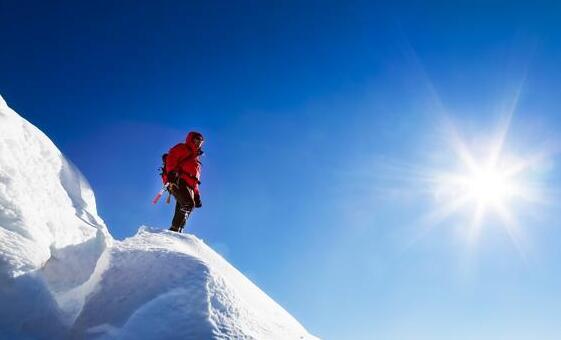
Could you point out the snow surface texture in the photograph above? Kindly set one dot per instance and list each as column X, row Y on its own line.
column 63, row 276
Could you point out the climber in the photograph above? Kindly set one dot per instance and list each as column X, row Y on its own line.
column 181, row 173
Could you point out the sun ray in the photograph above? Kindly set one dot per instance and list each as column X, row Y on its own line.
column 475, row 226
column 435, row 218
column 513, row 229
column 460, row 149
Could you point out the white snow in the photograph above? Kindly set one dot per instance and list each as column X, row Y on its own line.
column 63, row 276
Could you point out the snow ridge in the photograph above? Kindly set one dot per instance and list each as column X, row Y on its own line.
column 63, row 276
column 51, row 238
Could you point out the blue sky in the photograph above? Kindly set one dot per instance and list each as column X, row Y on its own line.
column 322, row 122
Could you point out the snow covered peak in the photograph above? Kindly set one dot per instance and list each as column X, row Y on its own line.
column 63, row 276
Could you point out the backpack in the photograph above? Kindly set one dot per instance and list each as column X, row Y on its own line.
column 163, row 172
column 164, row 175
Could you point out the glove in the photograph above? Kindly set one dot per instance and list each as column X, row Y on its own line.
column 172, row 177
column 197, row 199
column 172, row 187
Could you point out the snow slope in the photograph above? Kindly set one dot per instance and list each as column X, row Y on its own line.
column 63, row 276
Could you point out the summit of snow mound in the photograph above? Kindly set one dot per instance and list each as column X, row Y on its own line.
column 178, row 280
column 63, row 276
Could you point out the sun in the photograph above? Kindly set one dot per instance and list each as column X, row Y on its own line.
column 484, row 182
column 486, row 185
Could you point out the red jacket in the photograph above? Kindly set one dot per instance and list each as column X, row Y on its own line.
column 184, row 159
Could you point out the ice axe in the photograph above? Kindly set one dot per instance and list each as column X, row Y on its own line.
column 160, row 193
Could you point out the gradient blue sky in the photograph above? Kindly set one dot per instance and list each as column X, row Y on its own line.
column 319, row 117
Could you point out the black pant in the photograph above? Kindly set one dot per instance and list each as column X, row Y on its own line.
column 184, row 204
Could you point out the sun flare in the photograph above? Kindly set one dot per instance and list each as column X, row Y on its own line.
column 484, row 182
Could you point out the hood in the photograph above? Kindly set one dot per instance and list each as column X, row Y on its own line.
column 190, row 136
